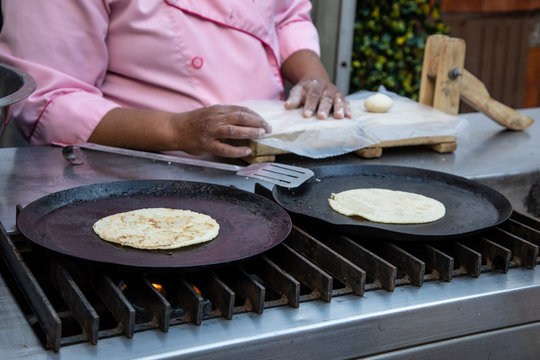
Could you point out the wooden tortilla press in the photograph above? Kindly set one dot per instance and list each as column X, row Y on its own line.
column 445, row 81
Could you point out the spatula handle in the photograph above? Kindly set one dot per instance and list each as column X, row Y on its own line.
column 159, row 157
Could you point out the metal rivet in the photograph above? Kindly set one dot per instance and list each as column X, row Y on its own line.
column 454, row 73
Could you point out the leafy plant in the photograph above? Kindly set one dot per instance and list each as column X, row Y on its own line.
column 389, row 42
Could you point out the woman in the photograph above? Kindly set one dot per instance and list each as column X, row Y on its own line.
column 151, row 74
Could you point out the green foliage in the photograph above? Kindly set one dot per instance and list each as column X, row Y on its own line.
column 389, row 42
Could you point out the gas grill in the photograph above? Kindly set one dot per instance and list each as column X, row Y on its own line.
column 68, row 303
column 320, row 294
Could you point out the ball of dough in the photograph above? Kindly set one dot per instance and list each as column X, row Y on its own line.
column 378, row 103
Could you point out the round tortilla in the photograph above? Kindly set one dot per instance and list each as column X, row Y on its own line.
column 157, row 228
column 387, row 206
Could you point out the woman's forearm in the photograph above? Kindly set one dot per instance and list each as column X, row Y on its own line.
column 205, row 130
column 303, row 64
column 137, row 129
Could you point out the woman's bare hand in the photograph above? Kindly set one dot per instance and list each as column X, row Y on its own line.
column 321, row 96
column 313, row 89
column 213, row 129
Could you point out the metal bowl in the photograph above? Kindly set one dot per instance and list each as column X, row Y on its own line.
column 15, row 85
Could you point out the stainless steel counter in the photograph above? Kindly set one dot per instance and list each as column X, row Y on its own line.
column 347, row 324
column 487, row 150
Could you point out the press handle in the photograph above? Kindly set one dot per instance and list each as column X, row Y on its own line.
column 474, row 93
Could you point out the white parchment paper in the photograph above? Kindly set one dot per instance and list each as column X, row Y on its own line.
column 325, row 138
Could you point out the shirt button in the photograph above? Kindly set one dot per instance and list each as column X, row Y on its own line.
column 197, row 62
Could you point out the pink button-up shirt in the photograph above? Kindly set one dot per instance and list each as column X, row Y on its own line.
column 91, row 56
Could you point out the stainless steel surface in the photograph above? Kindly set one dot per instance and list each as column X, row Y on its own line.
column 522, row 190
column 73, row 155
column 465, row 317
column 275, row 173
column 502, row 344
column 18, row 338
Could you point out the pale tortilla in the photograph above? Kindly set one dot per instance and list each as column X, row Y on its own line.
column 387, row 206
column 157, row 228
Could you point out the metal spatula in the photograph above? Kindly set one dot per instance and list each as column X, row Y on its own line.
column 276, row 173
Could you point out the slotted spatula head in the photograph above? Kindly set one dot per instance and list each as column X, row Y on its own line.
column 276, row 173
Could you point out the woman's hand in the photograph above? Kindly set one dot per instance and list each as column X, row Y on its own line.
column 321, row 96
column 212, row 129
column 313, row 88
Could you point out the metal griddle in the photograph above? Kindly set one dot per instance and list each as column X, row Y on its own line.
column 470, row 206
column 62, row 222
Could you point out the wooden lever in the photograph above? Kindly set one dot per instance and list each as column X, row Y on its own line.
column 474, row 93
column 445, row 81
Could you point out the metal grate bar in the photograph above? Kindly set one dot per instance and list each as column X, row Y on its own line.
column 526, row 220
column 304, row 270
column 247, row 287
column 218, row 292
column 155, row 303
column 468, row 258
column 115, row 301
column 280, row 281
column 328, row 260
column 36, row 298
column 404, row 261
column 80, row 307
column 524, row 231
column 496, row 256
column 524, row 253
column 375, row 266
column 435, row 260
column 183, row 293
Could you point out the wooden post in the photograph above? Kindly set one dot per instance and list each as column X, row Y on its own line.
column 440, row 85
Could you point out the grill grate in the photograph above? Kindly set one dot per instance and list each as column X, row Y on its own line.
column 68, row 302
